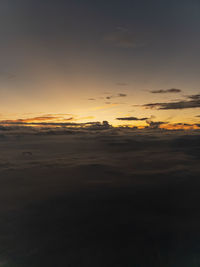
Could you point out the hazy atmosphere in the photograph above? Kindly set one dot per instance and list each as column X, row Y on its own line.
column 99, row 133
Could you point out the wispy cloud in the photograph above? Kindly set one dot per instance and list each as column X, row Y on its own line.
column 48, row 119
column 115, row 96
column 125, row 38
column 122, row 95
column 164, row 91
column 131, row 119
column 193, row 101
column 109, row 97
column 36, row 119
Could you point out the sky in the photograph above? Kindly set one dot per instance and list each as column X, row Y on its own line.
column 126, row 62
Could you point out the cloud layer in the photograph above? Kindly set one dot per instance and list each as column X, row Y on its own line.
column 164, row 91
column 89, row 194
column 193, row 101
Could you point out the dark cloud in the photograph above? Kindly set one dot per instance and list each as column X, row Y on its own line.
column 131, row 119
column 151, row 124
column 4, row 128
column 192, row 102
column 154, row 124
column 122, row 95
column 99, row 126
column 118, row 95
column 65, row 128
column 194, row 97
column 35, row 119
column 164, row 91
column 52, row 126
column 183, row 124
column 109, row 96
column 39, row 123
column 98, row 192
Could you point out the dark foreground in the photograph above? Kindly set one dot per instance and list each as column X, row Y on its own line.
column 100, row 200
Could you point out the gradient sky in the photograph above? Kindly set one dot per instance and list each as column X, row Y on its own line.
column 100, row 60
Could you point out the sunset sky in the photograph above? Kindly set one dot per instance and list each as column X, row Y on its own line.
column 99, row 133
column 121, row 61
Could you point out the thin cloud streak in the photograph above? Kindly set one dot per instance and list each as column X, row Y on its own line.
column 131, row 119
column 124, row 38
column 165, row 91
column 192, row 102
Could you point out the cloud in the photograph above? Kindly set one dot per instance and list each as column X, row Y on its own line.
column 164, row 91
column 103, row 176
column 163, row 125
column 192, row 102
column 15, row 122
column 124, row 38
column 51, row 124
column 99, row 126
column 4, row 125
column 131, row 119
column 181, row 126
column 4, row 128
column 109, row 97
column 194, row 97
column 37, row 120
column 114, row 96
column 122, row 95
column 154, row 124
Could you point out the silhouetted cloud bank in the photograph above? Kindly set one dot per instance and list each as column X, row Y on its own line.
column 193, row 101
